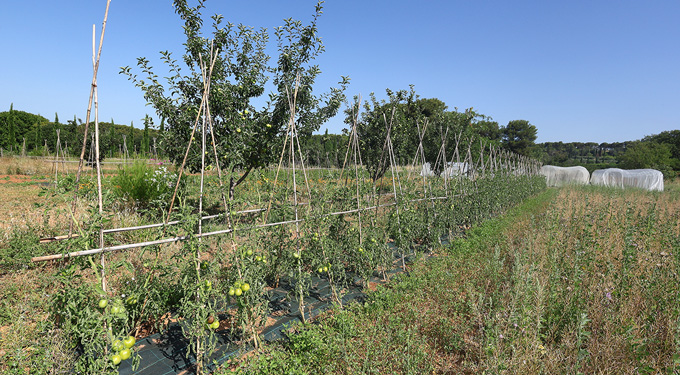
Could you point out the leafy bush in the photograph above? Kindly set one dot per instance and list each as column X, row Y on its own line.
column 143, row 187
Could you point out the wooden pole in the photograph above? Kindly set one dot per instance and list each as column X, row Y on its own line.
column 87, row 117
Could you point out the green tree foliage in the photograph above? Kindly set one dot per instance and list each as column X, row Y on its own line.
column 647, row 154
column 408, row 118
column 148, row 121
column 38, row 131
column 17, row 125
column 488, row 129
column 246, row 137
column 130, row 140
column 670, row 138
column 325, row 150
column 519, row 136
column 11, row 128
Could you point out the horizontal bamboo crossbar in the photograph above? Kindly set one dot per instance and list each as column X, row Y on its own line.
column 207, row 234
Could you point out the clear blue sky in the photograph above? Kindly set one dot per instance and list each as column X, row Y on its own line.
column 598, row 71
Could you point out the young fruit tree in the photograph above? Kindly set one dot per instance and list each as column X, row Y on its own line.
column 246, row 137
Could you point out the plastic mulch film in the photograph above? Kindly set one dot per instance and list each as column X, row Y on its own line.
column 561, row 176
column 648, row 179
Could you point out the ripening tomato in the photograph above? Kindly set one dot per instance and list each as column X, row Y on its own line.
column 117, row 346
column 129, row 341
column 125, row 354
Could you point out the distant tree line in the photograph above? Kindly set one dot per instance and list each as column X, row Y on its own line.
column 660, row 151
column 34, row 135
column 408, row 115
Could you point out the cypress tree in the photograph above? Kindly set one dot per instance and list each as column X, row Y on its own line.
column 11, row 131
column 145, row 137
column 131, row 139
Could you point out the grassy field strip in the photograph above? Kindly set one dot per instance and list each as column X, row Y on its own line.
column 578, row 280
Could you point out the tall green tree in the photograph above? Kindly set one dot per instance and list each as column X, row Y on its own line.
column 145, row 137
column 519, row 136
column 11, row 129
column 246, row 137
column 131, row 138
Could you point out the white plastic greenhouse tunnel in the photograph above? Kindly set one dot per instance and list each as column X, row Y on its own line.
column 561, row 176
column 648, row 179
column 453, row 169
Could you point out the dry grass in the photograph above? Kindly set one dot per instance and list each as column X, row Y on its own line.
column 593, row 286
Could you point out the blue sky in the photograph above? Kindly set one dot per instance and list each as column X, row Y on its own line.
column 586, row 71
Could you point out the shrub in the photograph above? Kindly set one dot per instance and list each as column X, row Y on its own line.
column 143, row 187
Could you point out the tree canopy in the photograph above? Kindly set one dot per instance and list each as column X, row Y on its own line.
column 246, row 137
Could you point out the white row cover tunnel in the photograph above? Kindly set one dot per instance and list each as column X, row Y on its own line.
column 561, row 176
column 648, row 179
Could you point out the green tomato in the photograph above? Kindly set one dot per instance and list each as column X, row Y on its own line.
column 249, row 252
column 238, row 292
column 320, row 270
column 237, row 284
column 245, row 287
column 115, row 359
column 129, row 341
column 103, row 303
column 296, row 255
column 215, row 324
column 115, row 310
column 118, row 346
column 232, row 291
column 325, row 269
column 125, row 354
column 258, row 258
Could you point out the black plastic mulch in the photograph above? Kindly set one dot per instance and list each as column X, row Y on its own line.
column 166, row 352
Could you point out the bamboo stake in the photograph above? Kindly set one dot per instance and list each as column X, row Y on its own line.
column 89, row 108
column 99, row 170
